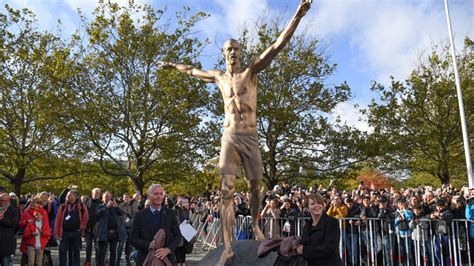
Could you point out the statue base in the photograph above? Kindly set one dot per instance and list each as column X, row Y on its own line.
column 245, row 254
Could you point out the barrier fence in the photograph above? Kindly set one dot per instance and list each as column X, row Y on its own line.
column 366, row 241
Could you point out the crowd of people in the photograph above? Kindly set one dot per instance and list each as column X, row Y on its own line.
column 409, row 226
column 103, row 222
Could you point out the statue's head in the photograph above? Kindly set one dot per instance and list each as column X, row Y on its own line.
column 231, row 50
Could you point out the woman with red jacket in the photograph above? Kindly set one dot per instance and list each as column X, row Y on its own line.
column 36, row 237
column 36, row 204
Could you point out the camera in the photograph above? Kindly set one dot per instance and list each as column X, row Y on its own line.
column 470, row 201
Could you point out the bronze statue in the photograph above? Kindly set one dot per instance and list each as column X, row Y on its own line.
column 240, row 141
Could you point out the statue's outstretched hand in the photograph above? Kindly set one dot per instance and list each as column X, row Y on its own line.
column 305, row 5
column 163, row 64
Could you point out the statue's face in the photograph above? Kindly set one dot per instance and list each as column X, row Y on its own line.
column 231, row 51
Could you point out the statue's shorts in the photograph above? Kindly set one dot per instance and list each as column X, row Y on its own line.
column 237, row 149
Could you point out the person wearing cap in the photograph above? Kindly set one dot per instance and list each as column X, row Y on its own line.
column 443, row 217
column 9, row 217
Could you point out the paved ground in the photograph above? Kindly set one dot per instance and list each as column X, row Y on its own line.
column 191, row 259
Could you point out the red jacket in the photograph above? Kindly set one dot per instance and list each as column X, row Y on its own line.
column 83, row 218
column 30, row 239
column 27, row 215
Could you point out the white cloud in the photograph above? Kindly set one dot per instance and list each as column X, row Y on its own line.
column 88, row 6
column 238, row 12
column 386, row 37
column 348, row 114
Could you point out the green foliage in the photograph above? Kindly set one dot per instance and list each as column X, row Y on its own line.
column 137, row 120
column 416, row 122
column 194, row 184
column 32, row 120
column 419, row 179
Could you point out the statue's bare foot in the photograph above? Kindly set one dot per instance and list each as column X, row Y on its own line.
column 226, row 256
column 258, row 233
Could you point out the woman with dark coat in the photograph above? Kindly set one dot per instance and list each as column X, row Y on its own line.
column 320, row 240
column 9, row 217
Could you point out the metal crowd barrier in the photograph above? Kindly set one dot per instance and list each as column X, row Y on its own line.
column 366, row 241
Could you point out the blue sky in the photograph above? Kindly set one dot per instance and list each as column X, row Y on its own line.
column 367, row 39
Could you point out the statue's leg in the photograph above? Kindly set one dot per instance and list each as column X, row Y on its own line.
column 254, row 204
column 227, row 214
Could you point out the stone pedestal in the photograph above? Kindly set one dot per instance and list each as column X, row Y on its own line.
column 245, row 254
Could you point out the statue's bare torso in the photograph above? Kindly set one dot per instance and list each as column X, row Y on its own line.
column 240, row 101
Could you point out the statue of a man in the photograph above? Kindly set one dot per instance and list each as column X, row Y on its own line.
column 240, row 141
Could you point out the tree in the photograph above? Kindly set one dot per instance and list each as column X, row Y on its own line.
column 32, row 136
column 137, row 120
column 294, row 104
column 374, row 179
column 416, row 123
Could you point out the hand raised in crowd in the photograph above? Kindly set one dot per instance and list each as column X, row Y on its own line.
column 400, row 217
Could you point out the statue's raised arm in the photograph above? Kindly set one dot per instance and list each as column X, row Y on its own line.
column 263, row 60
column 205, row 75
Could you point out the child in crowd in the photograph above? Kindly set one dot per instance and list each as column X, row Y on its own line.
column 37, row 234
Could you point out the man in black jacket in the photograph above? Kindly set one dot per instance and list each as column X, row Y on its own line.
column 443, row 216
column 92, row 204
column 148, row 221
column 109, row 228
column 9, row 217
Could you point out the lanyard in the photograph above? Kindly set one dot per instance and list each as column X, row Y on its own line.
column 70, row 207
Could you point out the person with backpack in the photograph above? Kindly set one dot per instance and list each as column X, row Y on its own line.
column 70, row 225
column 442, row 217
